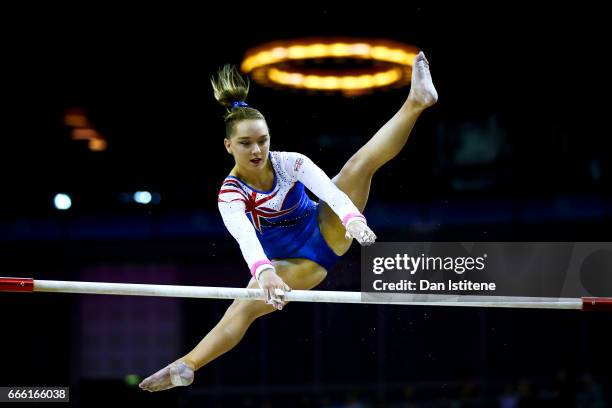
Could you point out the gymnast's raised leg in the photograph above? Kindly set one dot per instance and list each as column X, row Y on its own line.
column 356, row 176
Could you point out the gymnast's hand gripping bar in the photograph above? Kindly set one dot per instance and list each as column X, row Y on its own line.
column 131, row 289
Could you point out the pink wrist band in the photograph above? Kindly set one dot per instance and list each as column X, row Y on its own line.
column 348, row 217
column 258, row 264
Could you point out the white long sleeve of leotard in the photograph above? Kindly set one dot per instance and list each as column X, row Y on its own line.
column 232, row 210
column 315, row 179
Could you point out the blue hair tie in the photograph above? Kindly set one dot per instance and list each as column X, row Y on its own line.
column 240, row 104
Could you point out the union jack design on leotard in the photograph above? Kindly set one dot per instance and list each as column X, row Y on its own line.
column 253, row 206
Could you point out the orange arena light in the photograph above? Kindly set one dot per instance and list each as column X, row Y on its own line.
column 281, row 63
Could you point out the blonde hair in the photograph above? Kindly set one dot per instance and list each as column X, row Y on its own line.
column 230, row 86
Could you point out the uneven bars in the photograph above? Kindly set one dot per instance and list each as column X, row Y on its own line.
column 131, row 289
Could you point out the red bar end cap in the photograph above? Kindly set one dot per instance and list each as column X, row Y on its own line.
column 596, row 303
column 16, row 284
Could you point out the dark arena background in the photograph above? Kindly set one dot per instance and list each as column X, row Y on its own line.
column 510, row 152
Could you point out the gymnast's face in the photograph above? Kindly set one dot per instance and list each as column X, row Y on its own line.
column 249, row 143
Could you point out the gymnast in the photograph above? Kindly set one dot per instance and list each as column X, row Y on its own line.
column 288, row 240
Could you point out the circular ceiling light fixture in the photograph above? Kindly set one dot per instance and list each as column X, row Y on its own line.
column 351, row 66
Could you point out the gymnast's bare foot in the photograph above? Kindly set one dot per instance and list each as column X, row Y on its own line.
column 179, row 373
column 422, row 91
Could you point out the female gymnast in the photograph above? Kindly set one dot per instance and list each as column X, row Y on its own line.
column 287, row 240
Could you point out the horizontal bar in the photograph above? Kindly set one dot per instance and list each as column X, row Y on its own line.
column 132, row 289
